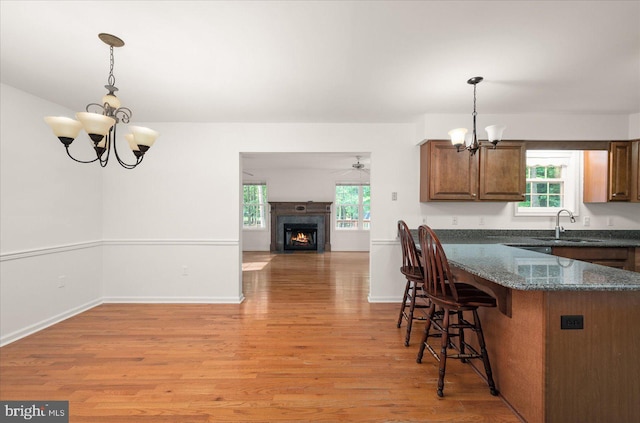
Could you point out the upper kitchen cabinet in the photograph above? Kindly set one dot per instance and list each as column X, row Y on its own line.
column 502, row 171
column 612, row 175
column 492, row 174
column 446, row 174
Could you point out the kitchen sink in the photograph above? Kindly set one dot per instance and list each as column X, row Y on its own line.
column 577, row 240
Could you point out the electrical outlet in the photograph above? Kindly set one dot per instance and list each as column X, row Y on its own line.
column 481, row 221
column 185, row 270
column 454, row 220
column 572, row 322
column 62, row 281
column 586, row 221
column 394, row 196
column 609, row 221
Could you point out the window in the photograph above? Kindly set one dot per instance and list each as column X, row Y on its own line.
column 551, row 183
column 254, row 205
column 353, row 206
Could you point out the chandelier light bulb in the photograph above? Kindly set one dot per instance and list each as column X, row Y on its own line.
column 144, row 137
column 494, row 133
column 66, row 129
column 457, row 136
column 111, row 100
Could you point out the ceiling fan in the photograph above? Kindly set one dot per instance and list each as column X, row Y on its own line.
column 356, row 167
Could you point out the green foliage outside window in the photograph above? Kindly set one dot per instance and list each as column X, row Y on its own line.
column 544, row 187
column 353, row 206
column 254, row 209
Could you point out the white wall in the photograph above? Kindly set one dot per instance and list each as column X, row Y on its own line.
column 634, row 126
column 187, row 194
column 51, row 215
column 123, row 235
column 304, row 185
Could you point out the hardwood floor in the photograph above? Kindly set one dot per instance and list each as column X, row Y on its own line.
column 305, row 345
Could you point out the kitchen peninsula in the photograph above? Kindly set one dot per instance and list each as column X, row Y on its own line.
column 563, row 341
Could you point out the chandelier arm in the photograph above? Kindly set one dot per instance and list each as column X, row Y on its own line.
column 107, row 146
column 115, row 151
column 100, row 106
column 122, row 114
column 79, row 161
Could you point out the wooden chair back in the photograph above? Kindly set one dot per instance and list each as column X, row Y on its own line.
column 410, row 257
column 438, row 279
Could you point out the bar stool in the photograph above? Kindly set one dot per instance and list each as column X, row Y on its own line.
column 414, row 294
column 445, row 293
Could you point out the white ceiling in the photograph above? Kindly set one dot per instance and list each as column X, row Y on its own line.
column 327, row 61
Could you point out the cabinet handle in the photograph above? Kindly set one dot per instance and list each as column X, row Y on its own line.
column 473, row 195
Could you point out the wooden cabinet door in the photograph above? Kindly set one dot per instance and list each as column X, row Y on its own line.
column 595, row 186
column 446, row 174
column 635, row 171
column 620, row 171
column 618, row 257
column 502, row 171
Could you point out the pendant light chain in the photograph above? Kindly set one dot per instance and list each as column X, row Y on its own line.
column 474, row 146
column 112, row 79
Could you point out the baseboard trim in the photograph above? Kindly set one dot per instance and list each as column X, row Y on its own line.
column 173, row 300
column 373, row 299
column 37, row 327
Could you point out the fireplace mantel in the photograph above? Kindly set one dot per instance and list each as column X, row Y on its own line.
column 300, row 211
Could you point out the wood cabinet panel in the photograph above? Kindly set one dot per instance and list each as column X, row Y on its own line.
column 446, row 174
column 610, row 175
column 502, row 171
column 591, row 374
column 635, row 171
column 618, row 257
column 595, row 176
column 620, row 171
column 492, row 174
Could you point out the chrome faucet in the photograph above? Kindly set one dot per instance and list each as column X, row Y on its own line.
column 559, row 228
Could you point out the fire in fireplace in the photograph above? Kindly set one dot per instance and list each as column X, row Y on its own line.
column 300, row 236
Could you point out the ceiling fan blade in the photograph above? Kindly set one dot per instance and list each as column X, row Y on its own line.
column 244, row 172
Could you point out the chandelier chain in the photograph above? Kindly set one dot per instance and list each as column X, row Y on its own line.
column 112, row 79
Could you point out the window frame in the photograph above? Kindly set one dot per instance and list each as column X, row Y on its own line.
column 263, row 205
column 571, row 160
column 361, row 224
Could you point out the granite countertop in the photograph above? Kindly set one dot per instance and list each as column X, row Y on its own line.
column 493, row 255
column 532, row 238
column 529, row 270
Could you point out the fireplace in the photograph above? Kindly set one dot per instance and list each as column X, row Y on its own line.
column 300, row 236
column 314, row 218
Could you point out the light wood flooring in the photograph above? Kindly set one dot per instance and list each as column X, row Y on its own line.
column 304, row 346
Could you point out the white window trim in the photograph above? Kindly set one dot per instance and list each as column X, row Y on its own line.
column 570, row 158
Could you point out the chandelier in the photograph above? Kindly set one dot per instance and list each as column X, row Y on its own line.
column 459, row 137
column 101, row 120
